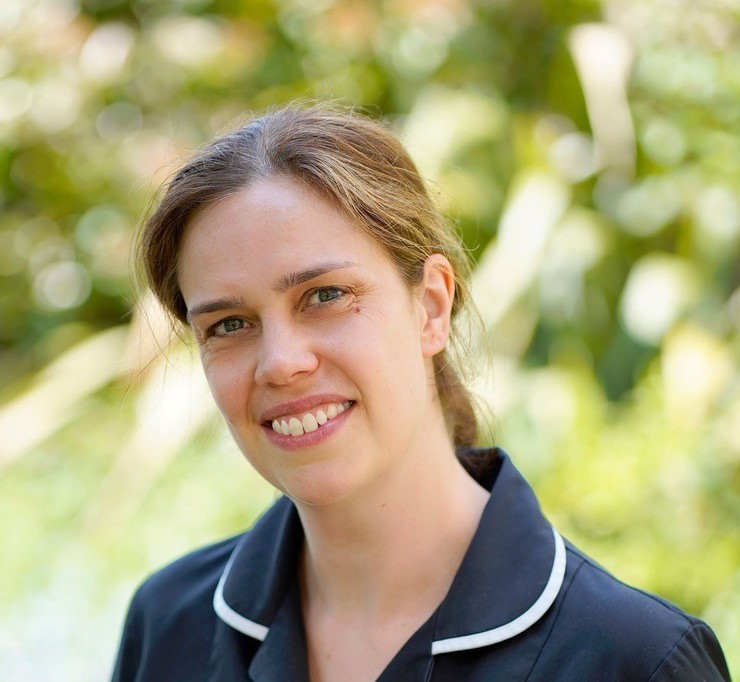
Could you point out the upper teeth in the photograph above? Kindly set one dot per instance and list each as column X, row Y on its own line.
column 292, row 426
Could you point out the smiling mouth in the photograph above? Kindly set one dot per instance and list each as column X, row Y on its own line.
column 297, row 425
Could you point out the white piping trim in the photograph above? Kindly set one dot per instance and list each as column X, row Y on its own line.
column 520, row 623
column 231, row 617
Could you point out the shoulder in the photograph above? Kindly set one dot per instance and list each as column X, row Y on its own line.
column 604, row 624
column 617, row 605
column 185, row 581
column 172, row 612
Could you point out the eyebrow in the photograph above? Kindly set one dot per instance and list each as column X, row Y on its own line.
column 284, row 283
column 214, row 306
column 293, row 279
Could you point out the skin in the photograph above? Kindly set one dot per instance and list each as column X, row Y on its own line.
column 289, row 300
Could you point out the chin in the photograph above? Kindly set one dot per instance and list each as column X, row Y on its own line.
column 321, row 484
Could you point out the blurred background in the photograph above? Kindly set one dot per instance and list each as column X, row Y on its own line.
column 589, row 152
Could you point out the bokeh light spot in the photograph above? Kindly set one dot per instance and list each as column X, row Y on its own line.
column 118, row 120
column 188, row 41
column 62, row 286
column 56, row 104
column 106, row 52
column 15, row 98
column 658, row 289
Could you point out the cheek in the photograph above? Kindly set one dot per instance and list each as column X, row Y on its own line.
column 228, row 381
column 386, row 351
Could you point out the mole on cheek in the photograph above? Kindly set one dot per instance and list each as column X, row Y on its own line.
column 358, row 310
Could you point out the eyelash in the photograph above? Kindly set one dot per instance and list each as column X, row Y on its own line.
column 212, row 330
column 333, row 299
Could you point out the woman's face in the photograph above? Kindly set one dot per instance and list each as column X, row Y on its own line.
column 305, row 326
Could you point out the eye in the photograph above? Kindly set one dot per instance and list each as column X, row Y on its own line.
column 324, row 295
column 227, row 327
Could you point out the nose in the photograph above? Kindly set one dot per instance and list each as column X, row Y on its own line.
column 285, row 355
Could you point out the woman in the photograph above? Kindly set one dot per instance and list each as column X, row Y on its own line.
column 321, row 286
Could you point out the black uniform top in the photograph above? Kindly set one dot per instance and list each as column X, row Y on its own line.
column 524, row 605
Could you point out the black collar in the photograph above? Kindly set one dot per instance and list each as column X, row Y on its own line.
column 509, row 577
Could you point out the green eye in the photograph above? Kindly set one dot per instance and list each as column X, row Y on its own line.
column 325, row 295
column 228, row 326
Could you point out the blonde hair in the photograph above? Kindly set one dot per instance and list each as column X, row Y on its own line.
column 359, row 166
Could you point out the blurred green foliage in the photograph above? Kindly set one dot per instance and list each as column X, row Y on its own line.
column 590, row 153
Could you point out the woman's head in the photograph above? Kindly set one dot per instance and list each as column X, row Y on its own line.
column 350, row 161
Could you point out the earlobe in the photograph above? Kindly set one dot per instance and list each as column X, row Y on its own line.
column 437, row 292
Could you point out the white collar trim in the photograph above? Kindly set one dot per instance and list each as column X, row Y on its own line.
column 440, row 646
column 520, row 623
column 231, row 617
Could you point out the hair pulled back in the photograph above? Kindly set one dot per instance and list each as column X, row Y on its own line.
column 349, row 160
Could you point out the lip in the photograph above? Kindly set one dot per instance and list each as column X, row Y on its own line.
column 307, row 440
column 304, row 404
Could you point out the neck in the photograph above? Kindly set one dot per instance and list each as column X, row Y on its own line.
column 370, row 554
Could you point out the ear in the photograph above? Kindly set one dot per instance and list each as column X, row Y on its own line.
column 436, row 293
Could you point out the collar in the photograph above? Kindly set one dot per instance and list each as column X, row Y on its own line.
column 509, row 577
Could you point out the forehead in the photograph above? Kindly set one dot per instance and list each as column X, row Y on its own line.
column 272, row 227
column 269, row 207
